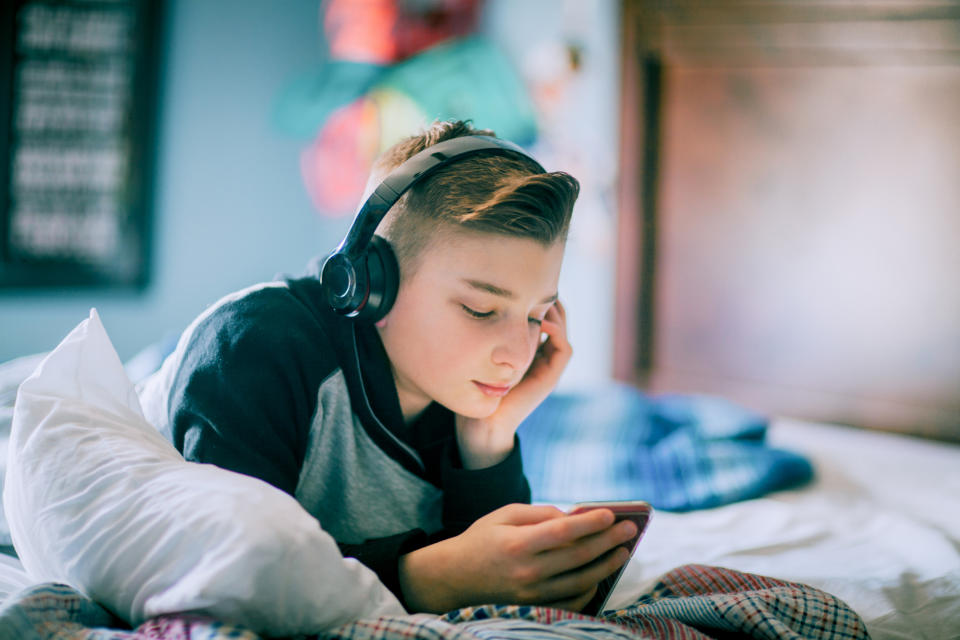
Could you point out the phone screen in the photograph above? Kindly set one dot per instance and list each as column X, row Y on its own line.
column 637, row 511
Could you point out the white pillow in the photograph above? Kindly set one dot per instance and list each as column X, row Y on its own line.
column 98, row 499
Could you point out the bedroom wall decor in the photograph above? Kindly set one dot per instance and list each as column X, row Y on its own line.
column 77, row 118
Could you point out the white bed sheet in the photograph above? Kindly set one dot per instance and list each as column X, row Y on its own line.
column 879, row 528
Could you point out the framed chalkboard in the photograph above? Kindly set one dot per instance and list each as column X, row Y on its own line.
column 78, row 84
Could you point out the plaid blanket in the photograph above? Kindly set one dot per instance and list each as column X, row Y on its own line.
column 690, row 602
column 677, row 452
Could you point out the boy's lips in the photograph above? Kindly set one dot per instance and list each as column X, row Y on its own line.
column 493, row 390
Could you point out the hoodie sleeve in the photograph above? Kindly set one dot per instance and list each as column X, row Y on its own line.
column 469, row 494
column 244, row 393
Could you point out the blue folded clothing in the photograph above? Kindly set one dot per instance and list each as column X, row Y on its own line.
column 677, row 452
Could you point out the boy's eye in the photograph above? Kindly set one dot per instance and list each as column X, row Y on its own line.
column 473, row 313
column 476, row 314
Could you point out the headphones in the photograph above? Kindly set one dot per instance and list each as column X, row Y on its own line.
column 361, row 277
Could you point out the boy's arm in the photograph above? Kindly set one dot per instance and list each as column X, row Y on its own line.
column 244, row 392
column 382, row 555
column 469, row 494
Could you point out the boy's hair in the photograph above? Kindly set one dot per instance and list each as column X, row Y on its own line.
column 495, row 194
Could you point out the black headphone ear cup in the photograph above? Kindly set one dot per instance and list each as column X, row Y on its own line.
column 383, row 273
column 344, row 286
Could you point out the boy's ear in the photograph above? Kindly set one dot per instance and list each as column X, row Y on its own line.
column 381, row 323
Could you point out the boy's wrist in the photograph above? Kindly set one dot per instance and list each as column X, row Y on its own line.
column 482, row 444
column 421, row 584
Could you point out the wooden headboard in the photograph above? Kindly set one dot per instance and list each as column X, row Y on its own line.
column 789, row 232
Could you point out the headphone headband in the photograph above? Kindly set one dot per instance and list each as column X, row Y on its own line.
column 411, row 172
column 360, row 278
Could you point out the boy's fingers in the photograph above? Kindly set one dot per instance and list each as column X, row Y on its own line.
column 557, row 342
column 555, row 319
column 524, row 514
column 556, row 323
column 587, row 549
column 561, row 310
column 550, row 327
column 560, row 532
column 556, row 333
column 564, row 585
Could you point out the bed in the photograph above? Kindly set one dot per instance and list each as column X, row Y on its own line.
column 878, row 527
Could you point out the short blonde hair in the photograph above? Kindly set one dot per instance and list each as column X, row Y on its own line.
column 496, row 194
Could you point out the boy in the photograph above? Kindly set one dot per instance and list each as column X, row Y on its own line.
column 399, row 436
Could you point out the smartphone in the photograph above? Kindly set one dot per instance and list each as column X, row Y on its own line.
column 638, row 511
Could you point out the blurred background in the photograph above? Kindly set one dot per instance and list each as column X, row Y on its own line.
column 771, row 190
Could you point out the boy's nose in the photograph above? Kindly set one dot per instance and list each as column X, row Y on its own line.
column 516, row 347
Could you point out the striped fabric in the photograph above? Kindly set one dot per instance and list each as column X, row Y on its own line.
column 677, row 452
column 690, row 602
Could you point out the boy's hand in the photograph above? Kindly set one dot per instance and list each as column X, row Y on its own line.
column 517, row 554
column 486, row 441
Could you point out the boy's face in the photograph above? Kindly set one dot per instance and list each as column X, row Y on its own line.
column 465, row 326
